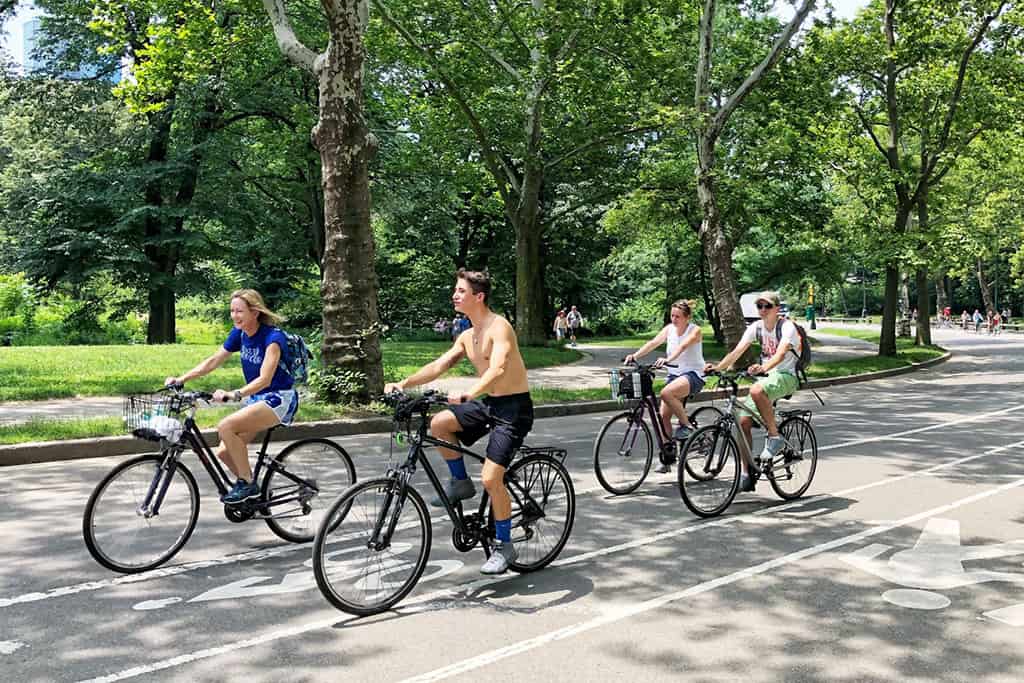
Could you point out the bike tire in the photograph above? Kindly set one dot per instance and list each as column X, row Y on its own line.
column 133, row 477
column 714, row 452
column 618, row 469
column 793, row 470
column 541, row 530
column 339, row 581
column 317, row 459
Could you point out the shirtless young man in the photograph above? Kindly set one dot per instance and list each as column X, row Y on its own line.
column 491, row 346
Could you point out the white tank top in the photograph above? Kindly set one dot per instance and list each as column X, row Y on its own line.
column 691, row 359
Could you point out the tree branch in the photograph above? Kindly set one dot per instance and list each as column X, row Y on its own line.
column 598, row 141
column 954, row 99
column 503, row 174
column 869, row 127
column 290, row 46
column 718, row 123
column 497, row 59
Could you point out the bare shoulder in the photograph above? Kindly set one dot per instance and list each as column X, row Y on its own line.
column 502, row 328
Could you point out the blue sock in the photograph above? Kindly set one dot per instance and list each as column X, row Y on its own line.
column 458, row 468
column 503, row 530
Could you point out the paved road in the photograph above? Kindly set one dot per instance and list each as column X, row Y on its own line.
column 904, row 563
column 589, row 372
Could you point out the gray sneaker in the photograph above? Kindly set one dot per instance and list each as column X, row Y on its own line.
column 682, row 433
column 773, row 445
column 663, row 468
column 454, row 491
column 747, row 482
column 502, row 556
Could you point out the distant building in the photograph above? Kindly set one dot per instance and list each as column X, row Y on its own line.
column 21, row 34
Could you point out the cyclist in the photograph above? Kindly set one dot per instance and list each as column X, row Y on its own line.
column 779, row 355
column 684, row 357
column 491, row 346
column 269, row 397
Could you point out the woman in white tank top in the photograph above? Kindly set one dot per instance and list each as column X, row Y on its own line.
column 684, row 359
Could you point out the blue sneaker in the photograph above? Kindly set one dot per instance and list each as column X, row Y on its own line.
column 241, row 492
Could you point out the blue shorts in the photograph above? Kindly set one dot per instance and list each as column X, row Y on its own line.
column 695, row 380
column 284, row 403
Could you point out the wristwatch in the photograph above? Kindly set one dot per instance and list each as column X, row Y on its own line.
column 238, row 394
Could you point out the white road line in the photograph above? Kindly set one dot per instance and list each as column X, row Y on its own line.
column 418, row 604
column 284, row 550
column 622, row 613
column 940, row 425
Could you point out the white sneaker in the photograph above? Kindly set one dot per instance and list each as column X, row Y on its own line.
column 502, row 556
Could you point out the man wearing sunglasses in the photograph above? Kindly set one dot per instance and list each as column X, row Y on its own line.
column 780, row 351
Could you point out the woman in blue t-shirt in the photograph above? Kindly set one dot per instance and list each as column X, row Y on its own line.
column 268, row 394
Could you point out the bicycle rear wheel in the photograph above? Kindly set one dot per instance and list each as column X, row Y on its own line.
column 326, row 471
column 543, row 510
column 793, row 469
column 124, row 537
column 355, row 577
column 712, row 452
column 623, row 452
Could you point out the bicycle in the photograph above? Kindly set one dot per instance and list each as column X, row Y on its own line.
column 145, row 509
column 624, row 448
column 711, row 455
column 360, row 577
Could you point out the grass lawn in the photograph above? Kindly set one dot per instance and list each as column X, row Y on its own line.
column 41, row 372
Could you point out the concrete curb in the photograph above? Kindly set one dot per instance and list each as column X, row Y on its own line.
column 73, row 449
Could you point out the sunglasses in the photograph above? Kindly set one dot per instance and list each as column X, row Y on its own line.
column 764, row 306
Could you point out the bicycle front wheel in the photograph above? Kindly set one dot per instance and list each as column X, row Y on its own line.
column 702, row 417
column 125, row 532
column 305, row 478
column 713, row 454
column 543, row 510
column 623, row 452
column 372, row 546
column 793, row 469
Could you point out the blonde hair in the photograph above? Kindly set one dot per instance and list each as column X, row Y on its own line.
column 254, row 300
column 685, row 306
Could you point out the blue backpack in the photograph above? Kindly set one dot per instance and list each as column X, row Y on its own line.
column 295, row 361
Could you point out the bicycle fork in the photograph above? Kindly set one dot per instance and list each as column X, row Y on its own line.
column 387, row 518
column 158, row 487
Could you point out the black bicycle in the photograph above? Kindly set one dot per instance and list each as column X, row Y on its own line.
column 711, row 476
column 374, row 541
column 144, row 510
column 624, row 448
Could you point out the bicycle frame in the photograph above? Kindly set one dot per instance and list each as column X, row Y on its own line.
column 193, row 439
column 383, row 529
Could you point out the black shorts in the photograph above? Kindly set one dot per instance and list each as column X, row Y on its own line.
column 475, row 420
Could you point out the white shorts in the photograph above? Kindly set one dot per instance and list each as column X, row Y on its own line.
column 284, row 403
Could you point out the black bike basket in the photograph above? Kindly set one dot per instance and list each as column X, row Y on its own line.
column 632, row 383
column 153, row 416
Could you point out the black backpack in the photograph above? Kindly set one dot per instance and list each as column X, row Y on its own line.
column 803, row 359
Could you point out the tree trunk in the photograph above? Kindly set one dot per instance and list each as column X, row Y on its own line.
column 718, row 249
column 941, row 296
column 529, row 323
column 351, row 327
column 986, row 293
column 924, row 329
column 709, row 300
column 160, row 329
column 887, row 340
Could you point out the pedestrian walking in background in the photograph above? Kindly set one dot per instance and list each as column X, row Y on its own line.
column 977, row 320
column 575, row 320
column 561, row 326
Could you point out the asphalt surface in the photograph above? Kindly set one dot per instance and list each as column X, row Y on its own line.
column 903, row 562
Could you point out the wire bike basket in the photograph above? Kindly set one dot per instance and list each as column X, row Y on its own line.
column 154, row 417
